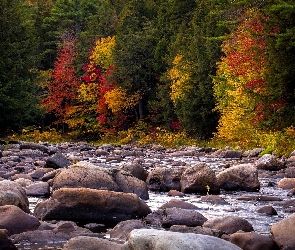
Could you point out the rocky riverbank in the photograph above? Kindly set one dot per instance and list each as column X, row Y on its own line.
column 77, row 196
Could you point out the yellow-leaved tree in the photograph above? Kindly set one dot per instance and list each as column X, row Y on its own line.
column 240, row 82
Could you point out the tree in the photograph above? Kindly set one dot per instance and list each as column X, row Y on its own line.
column 18, row 99
column 63, row 88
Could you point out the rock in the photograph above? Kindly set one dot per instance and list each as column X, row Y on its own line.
column 231, row 154
column 291, row 192
column 178, row 204
column 34, row 146
column 252, row 153
column 151, row 239
column 287, row 183
column 56, row 161
column 175, row 193
column 101, row 152
column 229, row 224
column 269, row 162
column 123, row 228
column 23, row 182
column 16, row 220
column 239, row 177
column 155, row 218
column 136, row 170
column 179, row 216
column 214, row 199
column 40, row 172
column 5, row 242
column 283, row 233
column 12, row 193
column 252, row 241
column 130, row 184
column 164, row 179
column 247, row 197
column 269, row 210
column 38, row 189
column 90, row 243
column 50, row 175
column 199, row 179
column 196, row 230
column 89, row 204
column 84, row 174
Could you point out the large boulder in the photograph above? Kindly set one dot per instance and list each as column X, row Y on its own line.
column 229, row 224
column 283, row 233
column 151, row 239
column 269, row 162
column 90, row 204
column 239, row 177
column 164, row 179
column 12, row 193
column 253, row 241
column 85, row 174
column 136, row 170
column 90, row 243
column 16, row 220
column 199, row 179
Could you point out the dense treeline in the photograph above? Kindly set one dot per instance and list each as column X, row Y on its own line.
column 221, row 67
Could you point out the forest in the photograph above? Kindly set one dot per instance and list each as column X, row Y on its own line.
column 219, row 70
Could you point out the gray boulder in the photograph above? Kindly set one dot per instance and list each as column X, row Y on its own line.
column 90, row 204
column 12, row 193
column 136, row 170
column 269, row 162
column 151, row 239
column 239, row 177
column 199, row 179
column 56, row 161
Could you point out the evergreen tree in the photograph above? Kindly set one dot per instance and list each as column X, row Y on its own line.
column 18, row 100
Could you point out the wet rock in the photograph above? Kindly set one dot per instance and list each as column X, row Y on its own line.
column 178, row 204
column 199, row 179
column 90, row 243
column 151, row 239
column 231, row 154
column 155, row 218
column 123, row 228
column 269, row 210
column 291, row 192
column 16, row 220
column 84, row 174
column 253, row 241
column 38, row 189
column 196, row 230
column 283, row 233
column 5, row 242
column 252, row 152
column 12, row 193
column 89, row 204
column 175, row 193
column 136, row 170
column 214, row 199
column 239, row 177
column 229, row 224
column 247, row 197
column 269, row 162
column 58, row 160
column 164, row 179
column 179, row 216
column 287, row 183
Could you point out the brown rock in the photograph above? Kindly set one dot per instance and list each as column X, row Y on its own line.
column 5, row 242
column 283, row 233
column 38, row 189
column 252, row 241
column 229, row 224
column 287, row 183
column 178, row 204
column 199, row 179
column 16, row 220
column 269, row 210
column 175, row 193
column 269, row 162
column 90, row 204
column 136, row 170
column 214, row 199
column 196, row 230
